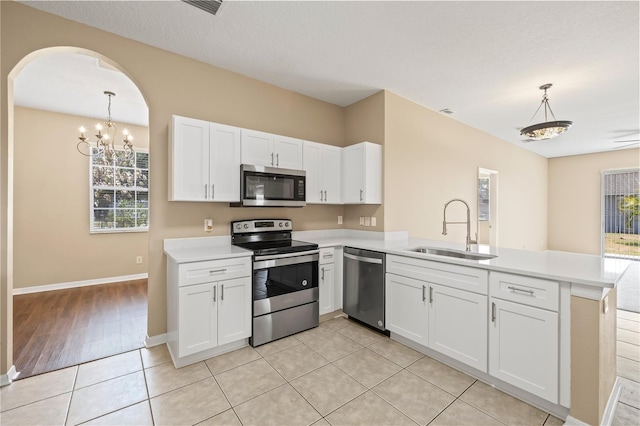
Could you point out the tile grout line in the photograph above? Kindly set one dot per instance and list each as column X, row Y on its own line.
column 75, row 378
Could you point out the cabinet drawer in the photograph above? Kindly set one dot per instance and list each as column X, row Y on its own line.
column 213, row 270
column 460, row 277
column 327, row 255
column 526, row 290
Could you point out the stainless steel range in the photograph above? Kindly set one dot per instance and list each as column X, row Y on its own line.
column 285, row 278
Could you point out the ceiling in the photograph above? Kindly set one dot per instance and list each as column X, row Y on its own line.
column 482, row 60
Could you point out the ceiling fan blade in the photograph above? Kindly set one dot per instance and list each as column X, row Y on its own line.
column 624, row 146
column 628, row 140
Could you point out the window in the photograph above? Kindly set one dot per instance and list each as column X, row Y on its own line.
column 120, row 193
column 620, row 204
column 483, row 199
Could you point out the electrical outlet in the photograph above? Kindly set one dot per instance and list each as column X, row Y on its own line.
column 339, row 220
column 361, row 220
column 373, row 221
column 367, row 221
column 208, row 225
column 138, row 260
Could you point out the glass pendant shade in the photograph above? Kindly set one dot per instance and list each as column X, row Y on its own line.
column 546, row 129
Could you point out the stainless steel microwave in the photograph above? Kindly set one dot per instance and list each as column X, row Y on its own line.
column 272, row 187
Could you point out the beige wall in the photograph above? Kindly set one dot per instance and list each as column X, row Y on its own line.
column 593, row 357
column 431, row 158
column 575, row 198
column 51, row 227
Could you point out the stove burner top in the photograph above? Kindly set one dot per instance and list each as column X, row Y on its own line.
column 262, row 248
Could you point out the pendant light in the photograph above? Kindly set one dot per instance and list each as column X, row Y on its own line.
column 547, row 129
column 105, row 149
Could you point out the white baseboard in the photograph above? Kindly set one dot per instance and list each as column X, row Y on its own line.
column 74, row 284
column 610, row 409
column 6, row 379
column 157, row 340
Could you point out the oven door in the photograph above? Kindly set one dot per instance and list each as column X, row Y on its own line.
column 272, row 187
column 284, row 281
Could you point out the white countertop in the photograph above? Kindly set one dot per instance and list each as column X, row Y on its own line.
column 590, row 270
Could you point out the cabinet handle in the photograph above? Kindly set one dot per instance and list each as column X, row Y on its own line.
column 493, row 312
column 213, row 191
column 215, row 271
column 424, row 297
column 205, row 191
column 222, row 292
column 214, row 293
column 431, row 295
column 325, row 195
column 529, row 292
column 272, row 158
column 322, row 278
column 277, row 160
column 321, row 195
column 361, row 195
column 327, row 256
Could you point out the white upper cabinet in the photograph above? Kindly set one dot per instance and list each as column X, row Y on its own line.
column 322, row 164
column 204, row 159
column 362, row 174
column 266, row 149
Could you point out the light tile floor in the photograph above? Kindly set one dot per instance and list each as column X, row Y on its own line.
column 339, row 373
column 628, row 409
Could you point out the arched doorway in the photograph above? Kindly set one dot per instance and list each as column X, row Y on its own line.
column 58, row 250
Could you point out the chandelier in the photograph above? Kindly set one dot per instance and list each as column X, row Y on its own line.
column 547, row 129
column 105, row 149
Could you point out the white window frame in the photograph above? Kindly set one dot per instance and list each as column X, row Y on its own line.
column 603, row 175
column 94, row 230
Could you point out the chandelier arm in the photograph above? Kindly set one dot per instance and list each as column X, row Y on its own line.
column 550, row 110
column 534, row 114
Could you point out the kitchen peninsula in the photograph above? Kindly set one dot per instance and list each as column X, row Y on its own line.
column 568, row 300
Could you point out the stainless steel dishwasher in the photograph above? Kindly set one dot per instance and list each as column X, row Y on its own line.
column 363, row 297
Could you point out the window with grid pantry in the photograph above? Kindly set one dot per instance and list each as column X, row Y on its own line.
column 119, row 192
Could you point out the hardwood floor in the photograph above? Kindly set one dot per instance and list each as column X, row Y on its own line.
column 56, row 329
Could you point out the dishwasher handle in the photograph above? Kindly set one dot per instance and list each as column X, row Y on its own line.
column 363, row 259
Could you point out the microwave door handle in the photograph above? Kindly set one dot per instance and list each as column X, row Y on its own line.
column 272, row 158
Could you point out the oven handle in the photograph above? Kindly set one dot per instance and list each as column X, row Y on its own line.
column 264, row 262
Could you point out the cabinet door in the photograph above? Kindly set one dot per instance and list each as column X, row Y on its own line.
column 458, row 325
column 331, row 172
column 197, row 318
column 257, row 148
column 325, row 284
column 312, row 156
column 234, row 310
column 523, row 348
column 189, row 152
column 287, row 152
column 353, row 174
column 224, row 163
column 406, row 308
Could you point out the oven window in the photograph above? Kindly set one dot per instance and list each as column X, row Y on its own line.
column 278, row 280
column 265, row 187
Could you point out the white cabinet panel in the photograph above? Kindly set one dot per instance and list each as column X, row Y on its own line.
column 406, row 308
column 234, row 310
column 458, row 325
column 526, row 290
column 523, row 343
column 326, row 284
column 189, row 161
column 257, row 148
column 204, row 161
column 362, row 174
column 288, row 152
column 197, row 319
column 323, row 166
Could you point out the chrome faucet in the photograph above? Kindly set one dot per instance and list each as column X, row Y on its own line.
column 468, row 223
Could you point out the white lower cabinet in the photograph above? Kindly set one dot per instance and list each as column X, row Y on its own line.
column 458, row 325
column 326, row 280
column 208, row 305
column 524, row 347
column 406, row 308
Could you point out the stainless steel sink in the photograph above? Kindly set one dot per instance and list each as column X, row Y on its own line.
column 453, row 253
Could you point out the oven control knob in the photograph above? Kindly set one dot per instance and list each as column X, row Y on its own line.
column 280, row 224
column 304, row 283
column 238, row 226
column 246, row 226
column 287, row 224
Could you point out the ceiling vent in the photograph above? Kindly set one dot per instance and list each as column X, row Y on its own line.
column 210, row 6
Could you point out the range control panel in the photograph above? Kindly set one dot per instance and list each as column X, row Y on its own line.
column 261, row 225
